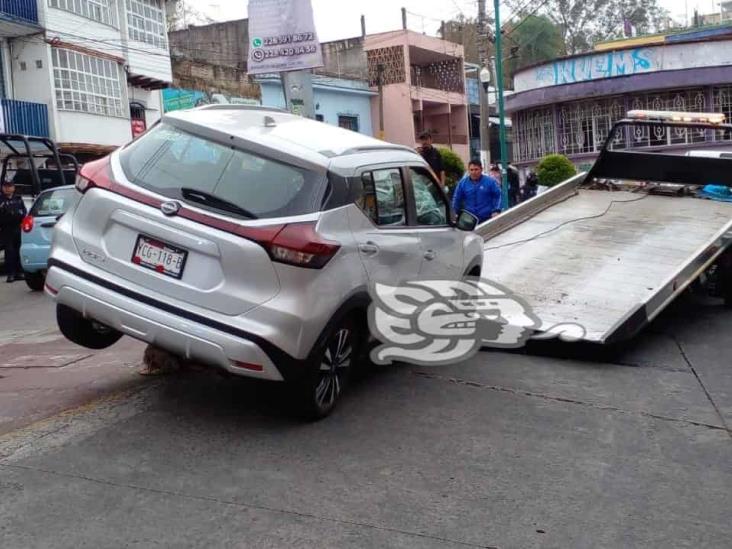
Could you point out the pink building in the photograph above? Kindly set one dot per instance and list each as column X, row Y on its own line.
column 423, row 89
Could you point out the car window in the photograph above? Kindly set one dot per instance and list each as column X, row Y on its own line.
column 54, row 203
column 383, row 197
column 431, row 207
column 167, row 160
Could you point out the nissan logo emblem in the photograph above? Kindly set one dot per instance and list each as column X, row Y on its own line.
column 170, row 208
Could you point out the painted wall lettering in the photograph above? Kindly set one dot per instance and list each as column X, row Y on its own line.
column 593, row 67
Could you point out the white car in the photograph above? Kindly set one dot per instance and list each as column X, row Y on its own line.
column 247, row 238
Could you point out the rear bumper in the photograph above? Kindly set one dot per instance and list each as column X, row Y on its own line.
column 146, row 319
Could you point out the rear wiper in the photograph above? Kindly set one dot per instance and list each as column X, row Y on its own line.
column 214, row 201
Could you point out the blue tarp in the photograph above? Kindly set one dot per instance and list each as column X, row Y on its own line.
column 717, row 192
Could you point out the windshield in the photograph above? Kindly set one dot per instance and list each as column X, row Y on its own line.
column 54, row 203
column 175, row 163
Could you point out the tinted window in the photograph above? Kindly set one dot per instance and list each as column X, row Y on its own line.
column 383, row 197
column 431, row 207
column 54, row 203
column 166, row 159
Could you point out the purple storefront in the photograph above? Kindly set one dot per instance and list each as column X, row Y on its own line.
column 569, row 105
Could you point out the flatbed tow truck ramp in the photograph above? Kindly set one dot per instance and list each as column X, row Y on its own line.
column 611, row 248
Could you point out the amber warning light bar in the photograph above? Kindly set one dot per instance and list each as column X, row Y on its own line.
column 672, row 116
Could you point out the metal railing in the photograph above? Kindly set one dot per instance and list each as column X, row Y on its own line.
column 25, row 118
column 25, row 10
column 444, row 138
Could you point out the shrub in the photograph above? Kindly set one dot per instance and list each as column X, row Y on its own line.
column 554, row 169
column 454, row 167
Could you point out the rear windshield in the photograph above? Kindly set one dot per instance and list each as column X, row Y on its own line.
column 56, row 202
column 167, row 160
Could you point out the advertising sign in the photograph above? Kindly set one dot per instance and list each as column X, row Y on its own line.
column 282, row 36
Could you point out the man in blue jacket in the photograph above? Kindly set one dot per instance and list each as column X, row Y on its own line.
column 477, row 193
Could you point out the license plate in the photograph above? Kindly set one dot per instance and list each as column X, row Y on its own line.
column 159, row 256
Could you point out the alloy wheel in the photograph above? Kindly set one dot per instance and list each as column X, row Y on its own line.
column 333, row 368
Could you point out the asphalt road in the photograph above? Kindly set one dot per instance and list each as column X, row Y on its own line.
column 504, row 450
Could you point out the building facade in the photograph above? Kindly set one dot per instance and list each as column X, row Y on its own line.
column 342, row 102
column 423, row 81
column 569, row 105
column 89, row 71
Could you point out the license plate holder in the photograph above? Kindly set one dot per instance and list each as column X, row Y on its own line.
column 159, row 256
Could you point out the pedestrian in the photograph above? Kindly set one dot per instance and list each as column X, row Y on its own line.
column 514, row 185
column 432, row 156
column 477, row 193
column 12, row 212
column 531, row 186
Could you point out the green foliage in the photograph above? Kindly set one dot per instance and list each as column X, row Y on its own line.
column 554, row 169
column 534, row 40
column 454, row 166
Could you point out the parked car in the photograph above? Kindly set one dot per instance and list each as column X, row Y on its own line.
column 37, row 232
column 247, row 238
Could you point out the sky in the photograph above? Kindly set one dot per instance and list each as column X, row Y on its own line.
column 337, row 19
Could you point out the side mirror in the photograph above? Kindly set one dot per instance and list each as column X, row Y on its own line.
column 466, row 221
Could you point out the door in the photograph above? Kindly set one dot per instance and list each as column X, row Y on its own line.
column 440, row 243
column 388, row 247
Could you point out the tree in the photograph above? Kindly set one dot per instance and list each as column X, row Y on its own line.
column 553, row 169
column 533, row 39
column 585, row 22
column 180, row 14
column 454, row 166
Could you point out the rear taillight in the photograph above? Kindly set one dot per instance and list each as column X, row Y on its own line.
column 95, row 174
column 298, row 244
column 27, row 224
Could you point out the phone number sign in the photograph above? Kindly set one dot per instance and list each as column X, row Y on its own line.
column 282, row 36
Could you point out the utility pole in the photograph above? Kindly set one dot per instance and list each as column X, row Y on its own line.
column 485, row 147
column 380, row 76
column 501, row 108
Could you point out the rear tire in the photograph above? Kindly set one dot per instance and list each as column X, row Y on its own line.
column 35, row 281
column 83, row 331
column 328, row 371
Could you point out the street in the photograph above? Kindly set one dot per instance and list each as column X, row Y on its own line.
column 504, row 450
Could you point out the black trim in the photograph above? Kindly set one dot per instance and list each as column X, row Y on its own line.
column 284, row 362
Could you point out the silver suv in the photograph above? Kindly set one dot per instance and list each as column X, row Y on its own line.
column 247, row 238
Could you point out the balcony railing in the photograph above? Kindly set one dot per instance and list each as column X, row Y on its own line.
column 25, row 118
column 445, row 138
column 23, row 10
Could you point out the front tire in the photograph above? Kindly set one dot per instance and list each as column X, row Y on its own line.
column 328, row 371
column 83, row 331
column 35, row 281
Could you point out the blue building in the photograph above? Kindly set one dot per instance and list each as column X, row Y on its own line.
column 338, row 101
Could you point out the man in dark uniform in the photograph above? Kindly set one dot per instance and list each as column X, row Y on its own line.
column 514, row 185
column 12, row 212
column 432, row 156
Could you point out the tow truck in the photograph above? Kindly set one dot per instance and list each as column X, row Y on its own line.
column 611, row 248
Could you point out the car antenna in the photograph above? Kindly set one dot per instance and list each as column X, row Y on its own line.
column 269, row 122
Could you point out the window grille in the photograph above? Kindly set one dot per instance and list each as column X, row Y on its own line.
column 87, row 84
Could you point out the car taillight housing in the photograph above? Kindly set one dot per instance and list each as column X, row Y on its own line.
column 298, row 244
column 94, row 174
column 27, row 224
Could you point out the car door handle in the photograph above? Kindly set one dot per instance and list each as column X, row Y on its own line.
column 369, row 248
column 429, row 255
column 48, row 225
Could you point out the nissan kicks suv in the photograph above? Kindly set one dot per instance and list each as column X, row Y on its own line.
column 247, row 238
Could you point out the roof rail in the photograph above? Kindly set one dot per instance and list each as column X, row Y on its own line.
column 219, row 107
column 371, row 148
